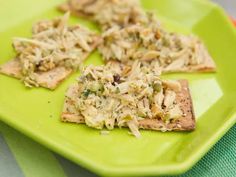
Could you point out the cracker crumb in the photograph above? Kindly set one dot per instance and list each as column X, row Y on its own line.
column 104, row 132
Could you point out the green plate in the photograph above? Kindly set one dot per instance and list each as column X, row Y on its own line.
column 36, row 112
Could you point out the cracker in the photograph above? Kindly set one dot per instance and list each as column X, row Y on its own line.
column 50, row 79
column 207, row 66
column 185, row 123
column 65, row 7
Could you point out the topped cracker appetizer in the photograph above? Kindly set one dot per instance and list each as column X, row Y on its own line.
column 132, row 34
column 53, row 52
column 149, row 43
column 113, row 95
column 108, row 13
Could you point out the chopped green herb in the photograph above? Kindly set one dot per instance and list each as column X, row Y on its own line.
column 86, row 93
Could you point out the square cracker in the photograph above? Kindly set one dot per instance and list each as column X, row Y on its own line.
column 208, row 65
column 185, row 123
column 50, row 79
column 65, row 7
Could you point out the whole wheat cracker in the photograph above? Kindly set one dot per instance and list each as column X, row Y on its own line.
column 185, row 123
column 207, row 66
column 50, row 79
column 65, row 7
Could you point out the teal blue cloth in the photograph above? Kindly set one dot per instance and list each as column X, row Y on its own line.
column 220, row 161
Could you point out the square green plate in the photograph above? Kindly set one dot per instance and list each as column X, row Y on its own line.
column 36, row 112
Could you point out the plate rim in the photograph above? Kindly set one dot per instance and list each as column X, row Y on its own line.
column 179, row 168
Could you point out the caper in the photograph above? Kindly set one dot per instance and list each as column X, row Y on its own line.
column 117, row 90
column 96, row 86
column 157, row 86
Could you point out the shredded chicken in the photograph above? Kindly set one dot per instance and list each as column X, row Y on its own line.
column 53, row 44
column 109, row 13
column 107, row 96
column 150, row 43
